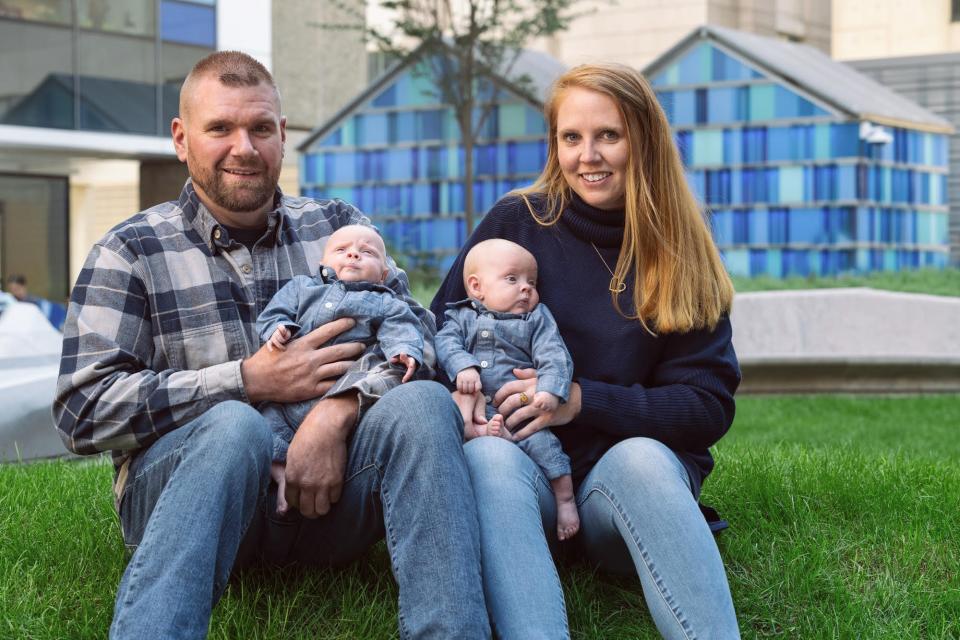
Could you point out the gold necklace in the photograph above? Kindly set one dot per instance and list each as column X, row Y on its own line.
column 616, row 285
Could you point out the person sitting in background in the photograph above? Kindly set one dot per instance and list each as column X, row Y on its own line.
column 55, row 313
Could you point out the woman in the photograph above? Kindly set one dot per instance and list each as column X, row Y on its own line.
column 631, row 273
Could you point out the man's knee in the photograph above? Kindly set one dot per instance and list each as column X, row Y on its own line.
column 419, row 411
column 234, row 432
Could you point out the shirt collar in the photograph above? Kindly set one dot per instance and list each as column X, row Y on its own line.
column 479, row 307
column 214, row 234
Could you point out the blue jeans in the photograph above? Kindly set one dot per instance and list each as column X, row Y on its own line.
column 637, row 514
column 199, row 504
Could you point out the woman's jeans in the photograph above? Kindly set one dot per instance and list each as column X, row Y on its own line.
column 197, row 506
column 637, row 514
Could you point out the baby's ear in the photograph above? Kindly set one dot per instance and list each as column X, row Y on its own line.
column 474, row 290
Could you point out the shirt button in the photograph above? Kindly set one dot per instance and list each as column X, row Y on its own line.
column 484, row 364
column 326, row 272
column 488, row 398
column 484, row 334
column 216, row 233
column 328, row 305
column 246, row 268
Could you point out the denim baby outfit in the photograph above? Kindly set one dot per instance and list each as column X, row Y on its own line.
column 497, row 343
column 384, row 322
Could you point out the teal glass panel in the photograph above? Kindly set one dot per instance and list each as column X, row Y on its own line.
column 349, row 137
column 419, row 90
column 737, row 261
column 821, row 142
column 774, row 263
column 454, row 161
column 941, row 233
column 450, row 127
column 669, row 76
column 889, row 260
column 761, row 102
column 707, row 147
column 512, row 120
column 791, row 184
column 863, row 260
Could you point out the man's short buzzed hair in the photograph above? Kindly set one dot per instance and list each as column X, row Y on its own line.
column 232, row 69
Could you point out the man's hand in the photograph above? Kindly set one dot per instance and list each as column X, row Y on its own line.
column 303, row 370
column 472, row 408
column 508, row 402
column 317, row 457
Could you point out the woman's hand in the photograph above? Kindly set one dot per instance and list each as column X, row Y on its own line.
column 509, row 403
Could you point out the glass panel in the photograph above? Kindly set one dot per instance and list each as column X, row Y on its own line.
column 133, row 17
column 117, row 83
column 36, row 75
column 176, row 61
column 188, row 23
column 53, row 11
column 33, row 218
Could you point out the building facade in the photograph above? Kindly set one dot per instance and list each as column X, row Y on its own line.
column 395, row 152
column 87, row 92
column 805, row 166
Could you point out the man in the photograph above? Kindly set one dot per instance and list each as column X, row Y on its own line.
column 161, row 366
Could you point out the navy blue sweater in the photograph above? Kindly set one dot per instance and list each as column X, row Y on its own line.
column 675, row 388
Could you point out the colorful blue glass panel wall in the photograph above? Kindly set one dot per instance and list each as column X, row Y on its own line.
column 399, row 159
column 790, row 188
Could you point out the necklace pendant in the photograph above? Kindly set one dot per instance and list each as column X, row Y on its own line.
column 617, row 287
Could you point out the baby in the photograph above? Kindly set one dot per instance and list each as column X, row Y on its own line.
column 348, row 284
column 499, row 328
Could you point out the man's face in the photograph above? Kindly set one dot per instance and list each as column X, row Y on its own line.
column 232, row 141
column 357, row 254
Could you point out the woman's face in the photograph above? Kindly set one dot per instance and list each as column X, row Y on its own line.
column 592, row 147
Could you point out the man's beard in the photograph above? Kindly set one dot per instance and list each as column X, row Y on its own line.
column 240, row 199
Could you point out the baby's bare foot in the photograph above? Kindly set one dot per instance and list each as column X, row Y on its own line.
column 568, row 520
column 495, row 426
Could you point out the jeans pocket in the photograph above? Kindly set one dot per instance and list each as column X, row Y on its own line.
column 281, row 533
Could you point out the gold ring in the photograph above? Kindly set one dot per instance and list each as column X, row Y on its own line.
column 523, row 399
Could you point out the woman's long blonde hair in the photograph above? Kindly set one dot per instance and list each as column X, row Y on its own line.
column 680, row 282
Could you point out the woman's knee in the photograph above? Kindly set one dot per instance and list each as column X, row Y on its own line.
column 641, row 462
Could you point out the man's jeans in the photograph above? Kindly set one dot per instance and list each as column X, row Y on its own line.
column 637, row 515
column 196, row 506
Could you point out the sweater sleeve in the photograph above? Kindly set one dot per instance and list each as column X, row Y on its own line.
column 688, row 404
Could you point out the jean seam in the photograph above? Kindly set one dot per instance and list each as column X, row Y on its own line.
column 392, row 541
column 537, row 479
column 648, row 563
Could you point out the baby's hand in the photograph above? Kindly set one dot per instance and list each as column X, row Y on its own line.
column 468, row 381
column 278, row 341
column 278, row 474
column 409, row 361
column 545, row 401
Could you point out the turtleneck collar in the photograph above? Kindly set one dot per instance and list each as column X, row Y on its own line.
column 604, row 228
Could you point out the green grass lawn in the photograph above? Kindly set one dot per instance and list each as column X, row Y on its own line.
column 844, row 512
column 944, row 282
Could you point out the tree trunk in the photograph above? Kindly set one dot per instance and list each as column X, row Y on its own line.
column 467, row 138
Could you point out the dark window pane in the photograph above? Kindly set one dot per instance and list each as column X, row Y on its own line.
column 187, row 23
column 36, row 85
column 118, row 89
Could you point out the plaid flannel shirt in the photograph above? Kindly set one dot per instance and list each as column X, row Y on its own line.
column 165, row 309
